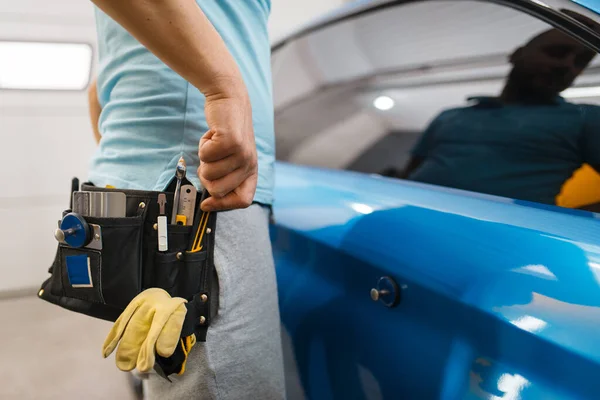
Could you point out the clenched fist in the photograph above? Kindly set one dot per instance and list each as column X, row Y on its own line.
column 228, row 161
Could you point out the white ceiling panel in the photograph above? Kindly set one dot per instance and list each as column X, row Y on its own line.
column 418, row 34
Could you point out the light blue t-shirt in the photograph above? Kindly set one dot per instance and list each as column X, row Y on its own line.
column 151, row 116
column 523, row 152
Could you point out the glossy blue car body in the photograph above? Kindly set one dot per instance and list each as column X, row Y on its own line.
column 498, row 298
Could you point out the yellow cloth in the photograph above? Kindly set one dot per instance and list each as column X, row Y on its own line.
column 151, row 322
column 581, row 189
column 186, row 344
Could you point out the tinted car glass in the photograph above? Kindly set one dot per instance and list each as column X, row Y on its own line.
column 466, row 95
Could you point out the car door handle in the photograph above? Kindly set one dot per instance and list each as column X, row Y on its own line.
column 386, row 291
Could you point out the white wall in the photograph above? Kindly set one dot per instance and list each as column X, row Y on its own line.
column 47, row 138
column 287, row 15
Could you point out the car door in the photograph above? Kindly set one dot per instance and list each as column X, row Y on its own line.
column 479, row 282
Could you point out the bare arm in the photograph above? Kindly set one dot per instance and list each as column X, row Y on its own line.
column 178, row 32
column 94, row 109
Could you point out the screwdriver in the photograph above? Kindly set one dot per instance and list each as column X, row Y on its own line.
column 179, row 174
column 163, row 241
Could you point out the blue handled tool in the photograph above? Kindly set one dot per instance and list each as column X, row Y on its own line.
column 74, row 231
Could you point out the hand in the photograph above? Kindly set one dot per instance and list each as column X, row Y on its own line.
column 228, row 161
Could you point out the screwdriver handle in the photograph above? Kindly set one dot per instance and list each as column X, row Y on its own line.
column 74, row 188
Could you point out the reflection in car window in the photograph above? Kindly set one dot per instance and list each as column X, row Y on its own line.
column 524, row 143
column 490, row 116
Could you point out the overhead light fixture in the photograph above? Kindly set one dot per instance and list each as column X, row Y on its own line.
column 44, row 66
column 383, row 103
column 581, row 92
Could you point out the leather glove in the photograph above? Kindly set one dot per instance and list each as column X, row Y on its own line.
column 151, row 322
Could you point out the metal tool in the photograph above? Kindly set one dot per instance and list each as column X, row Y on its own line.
column 100, row 204
column 179, row 174
column 96, row 242
column 187, row 204
column 163, row 243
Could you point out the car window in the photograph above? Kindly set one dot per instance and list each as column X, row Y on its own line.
column 462, row 94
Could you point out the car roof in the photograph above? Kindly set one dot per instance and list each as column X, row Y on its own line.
column 337, row 15
column 359, row 7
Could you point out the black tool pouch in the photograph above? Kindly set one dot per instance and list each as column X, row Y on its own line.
column 99, row 281
column 122, row 259
column 198, row 271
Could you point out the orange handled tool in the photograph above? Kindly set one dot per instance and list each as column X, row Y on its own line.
column 199, row 227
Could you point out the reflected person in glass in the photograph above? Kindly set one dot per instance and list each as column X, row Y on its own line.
column 523, row 144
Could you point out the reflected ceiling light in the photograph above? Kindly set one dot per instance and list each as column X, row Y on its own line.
column 362, row 208
column 539, row 270
column 530, row 324
column 512, row 386
column 44, row 66
column 595, row 270
column 383, row 103
column 582, row 92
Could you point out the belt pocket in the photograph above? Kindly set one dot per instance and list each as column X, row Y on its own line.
column 178, row 237
column 110, row 275
column 179, row 273
column 160, row 266
column 167, row 267
column 193, row 274
column 80, row 274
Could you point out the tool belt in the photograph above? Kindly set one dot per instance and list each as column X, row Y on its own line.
column 121, row 259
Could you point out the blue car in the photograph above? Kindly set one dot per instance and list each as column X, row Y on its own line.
column 435, row 229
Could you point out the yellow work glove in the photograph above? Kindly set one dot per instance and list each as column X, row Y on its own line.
column 151, row 322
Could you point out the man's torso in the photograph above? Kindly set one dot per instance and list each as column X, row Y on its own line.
column 151, row 116
column 524, row 152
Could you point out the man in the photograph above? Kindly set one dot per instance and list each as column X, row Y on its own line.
column 523, row 144
column 185, row 78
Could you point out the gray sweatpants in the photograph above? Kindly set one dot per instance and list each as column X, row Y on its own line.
column 242, row 357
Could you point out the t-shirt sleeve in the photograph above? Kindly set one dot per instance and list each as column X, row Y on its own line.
column 591, row 136
column 425, row 143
